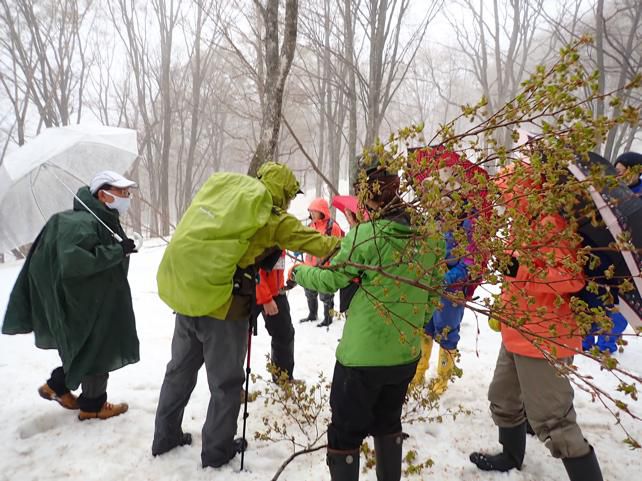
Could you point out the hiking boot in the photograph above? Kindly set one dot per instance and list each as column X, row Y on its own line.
column 67, row 400
column 108, row 410
column 309, row 318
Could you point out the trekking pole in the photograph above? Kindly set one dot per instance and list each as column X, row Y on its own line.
column 248, row 370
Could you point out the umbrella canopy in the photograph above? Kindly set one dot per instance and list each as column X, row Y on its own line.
column 621, row 212
column 348, row 202
column 34, row 178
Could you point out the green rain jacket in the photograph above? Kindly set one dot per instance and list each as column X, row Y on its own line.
column 231, row 222
column 385, row 317
column 72, row 292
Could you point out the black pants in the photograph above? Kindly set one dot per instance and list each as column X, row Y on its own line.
column 281, row 331
column 366, row 401
column 94, row 389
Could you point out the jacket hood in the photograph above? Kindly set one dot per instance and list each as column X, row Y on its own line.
column 108, row 216
column 320, row 205
column 280, row 182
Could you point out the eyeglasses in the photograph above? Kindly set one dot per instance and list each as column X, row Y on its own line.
column 119, row 192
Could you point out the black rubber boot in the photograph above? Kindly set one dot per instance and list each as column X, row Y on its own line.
column 313, row 307
column 529, row 429
column 327, row 316
column 388, row 456
column 343, row 464
column 513, row 441
column 584, row 468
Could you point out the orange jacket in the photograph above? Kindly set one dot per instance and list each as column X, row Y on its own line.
column 555, row 330
column 270, row 283
column 322, row 225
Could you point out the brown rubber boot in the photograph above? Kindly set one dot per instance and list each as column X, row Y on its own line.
column 108, row 410
column 67, row 400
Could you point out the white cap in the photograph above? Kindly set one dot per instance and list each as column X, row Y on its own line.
column 109, row 177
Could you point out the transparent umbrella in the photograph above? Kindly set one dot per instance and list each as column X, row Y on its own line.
column 40, row 178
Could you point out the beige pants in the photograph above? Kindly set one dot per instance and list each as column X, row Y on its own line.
column 529, row 387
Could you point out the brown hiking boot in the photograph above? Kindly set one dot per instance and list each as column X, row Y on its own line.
column 67, row 400
column 108, row 410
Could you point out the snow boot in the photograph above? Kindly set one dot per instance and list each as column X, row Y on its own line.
column 343, row 464
column 444, row 370
column 388, row 456
column 513, row 441
column 327, row 316
column 424, row 361
column 584, row 468
column 313, row 306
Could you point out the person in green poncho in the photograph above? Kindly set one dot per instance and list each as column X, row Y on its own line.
column 207, row 276
column 73, row 294
column 380, row 345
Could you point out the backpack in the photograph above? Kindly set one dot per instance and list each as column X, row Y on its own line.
column 195, row 276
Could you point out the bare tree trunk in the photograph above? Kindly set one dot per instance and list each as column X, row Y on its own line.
column 351, row 94
column 277, row 67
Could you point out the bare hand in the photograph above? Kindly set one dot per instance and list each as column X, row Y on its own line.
column 351, row 218
column 271, row 309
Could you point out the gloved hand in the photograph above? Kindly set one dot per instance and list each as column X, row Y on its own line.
column 128, row 246
column 291, row 279
column 494, row 324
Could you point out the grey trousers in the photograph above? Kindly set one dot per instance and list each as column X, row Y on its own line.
column 221, row 346
column 529, row 387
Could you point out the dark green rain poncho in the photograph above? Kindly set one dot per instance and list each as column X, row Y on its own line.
column 73, row 294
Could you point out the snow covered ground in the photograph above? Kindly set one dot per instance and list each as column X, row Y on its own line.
column 41, row 441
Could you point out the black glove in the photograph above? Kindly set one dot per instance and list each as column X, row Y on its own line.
column 128, row 246
column 511, row 267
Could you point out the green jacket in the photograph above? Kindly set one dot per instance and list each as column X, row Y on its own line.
column 231, row 222
column 385, row 317
column 72, row 292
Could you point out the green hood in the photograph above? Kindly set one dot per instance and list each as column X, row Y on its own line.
column 104, row 213
column 280, row 182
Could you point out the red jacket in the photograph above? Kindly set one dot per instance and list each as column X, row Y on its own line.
column 270, row 283
column 326, row 225
column 554, row 331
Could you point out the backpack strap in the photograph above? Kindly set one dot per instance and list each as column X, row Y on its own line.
column 328, row 227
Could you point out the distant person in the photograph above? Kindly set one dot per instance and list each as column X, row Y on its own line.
column 273, row 304
column 607, row 341
column 379, row 348
column 445, row 323
column 321, row 221
column 73, row 294
column 208, row 277
column 624, row 163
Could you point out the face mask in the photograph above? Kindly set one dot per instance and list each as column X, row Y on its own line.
column 121, row 204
